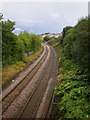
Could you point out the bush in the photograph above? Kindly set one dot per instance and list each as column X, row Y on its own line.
column 73, row 92
column 46, row 38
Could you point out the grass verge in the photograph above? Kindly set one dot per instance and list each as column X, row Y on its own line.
column 72, row 93
column 10, row 72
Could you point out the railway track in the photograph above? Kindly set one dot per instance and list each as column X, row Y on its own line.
column 31, row 94
column 15, row 89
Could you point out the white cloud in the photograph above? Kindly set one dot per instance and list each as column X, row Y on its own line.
column 33, row 21
column 28, row 22
column 31, row 31
column 55, row 15
column 18, row 29
column 43, row 17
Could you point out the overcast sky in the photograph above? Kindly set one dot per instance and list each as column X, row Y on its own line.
column 44, row 17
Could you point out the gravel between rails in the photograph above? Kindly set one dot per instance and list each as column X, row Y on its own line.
column 30, row 110
column 19, row 102
column 34, row 99
column 21, row 76
column 48, row 97
column 8, row 100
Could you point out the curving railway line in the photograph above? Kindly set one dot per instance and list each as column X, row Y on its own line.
column 31, row 95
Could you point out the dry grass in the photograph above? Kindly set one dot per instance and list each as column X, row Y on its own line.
column 10, row 72
column 60, row 76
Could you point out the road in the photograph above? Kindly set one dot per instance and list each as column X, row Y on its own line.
column 31, row 94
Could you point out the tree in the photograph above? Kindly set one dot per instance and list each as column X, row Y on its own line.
column 65, row 32
column 25, row 37
column 36, row 42
column 15, row 47
column 73, row 91
column 75, row 42
column 1, row 16
column 46, row 38
column 47, row 33
column 8, row 43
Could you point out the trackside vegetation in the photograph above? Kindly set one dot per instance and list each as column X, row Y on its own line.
column 15, row 47
column 72, row 92
column 10, row 72
column 18, row 51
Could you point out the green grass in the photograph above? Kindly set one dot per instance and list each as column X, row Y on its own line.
column 10, row 72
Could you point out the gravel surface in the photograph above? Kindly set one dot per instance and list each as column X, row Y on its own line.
column 32, row 97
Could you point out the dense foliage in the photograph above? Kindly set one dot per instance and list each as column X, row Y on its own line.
column 73, row 89
column 64, row 33
column 15, row 47
column 75, row 43
column 9, row 52
column 72, row 93
column 0, row 39
column 46, row 38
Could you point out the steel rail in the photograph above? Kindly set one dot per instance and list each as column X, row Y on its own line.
column 14, row 85
column 24, row 86
column 46, row 102
column 34, row 92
